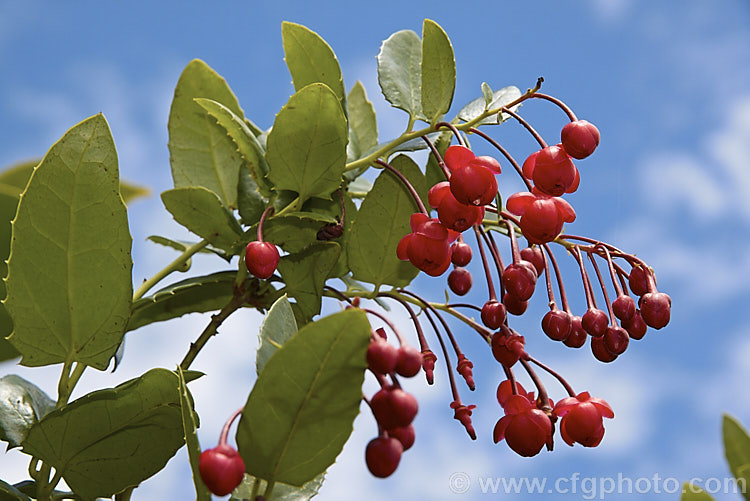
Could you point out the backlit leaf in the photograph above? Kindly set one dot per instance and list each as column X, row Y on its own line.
column 400, row 72
column 189, row 424
column 501, row 97
column 363, row 126
column 305, row 273
column 312, row 389
column 69, row 273
column 277, row 328
column 438, row 71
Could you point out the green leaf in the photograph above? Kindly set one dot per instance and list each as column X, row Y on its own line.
column 22, row 404
column 310, row 59
column 189, row 425
column 293, row 231
column 200, row 152
column 363, row 126
column 694, row 493
column 382, row 220
column 193, row 295
column 281, row 491
column 307, row 145
column 69, row 273
column 201, row 211
column 400, row 72
column 737, row 449
column 277, row 328
column 182, row 245
column 438, row 71
column 305, row 273
column 312, row 388
column 9, row 493
column 112, row 439
column 244, row 139
column 501, row 97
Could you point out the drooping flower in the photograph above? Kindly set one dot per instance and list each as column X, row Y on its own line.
column 525, row 428
column 428, row 246
column 582, row 419
column 472, row 179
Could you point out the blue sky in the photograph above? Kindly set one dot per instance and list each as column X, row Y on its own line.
column 668, row 85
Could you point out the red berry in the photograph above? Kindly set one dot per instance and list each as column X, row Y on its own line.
column 554, row 171
column 557, row 324
column 409, row 361
column 493, row 314
column 535, row 256
column 382, row 456
column 595, row 322
column 472, row 180
column 460, row 253
column 525, row 428
column 639, row 280
column 508, row 349
column 513, row 305
column 655, row 309
column 519, row 279
column 459, row 280
column 635, row 326
column 577, row 336
column 221, row 469
column 542, row 216
column 580, row 138
column 261, row 258
column 616, row 340
column 452, row 214
column 381, row 356
column 582, row 419
column 623, row 307
column 428, row 246
column 393, row 407
column 504, row 392
column 600, row 351
column 405, row 435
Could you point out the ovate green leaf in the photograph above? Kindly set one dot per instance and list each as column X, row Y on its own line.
column 305, row 273
column 202, row 212
column 200, row 152
column 382, row 220
column 301, row 409
column 500, row 98
column 22, row 404
column 250, row 202
column 737, row 450
column 363, row 126
column 294, row 231
column 310, row 59
column 306, row 149
column 400, row 72
column 8, row 206
column 277, row 328
column 189, row 425
column 69, row 273
column 112, row 439
column 438, row 71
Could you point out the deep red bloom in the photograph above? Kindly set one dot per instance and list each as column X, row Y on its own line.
column 508, row 349
column 221, row 469
column 525, row 428
column 428, row 246
column 552, row 171
column 472, row 178
column 451, row 212
column 542, row 216
column 261, row 258
column 580, row 138
column 505, row 391
column 582, row 419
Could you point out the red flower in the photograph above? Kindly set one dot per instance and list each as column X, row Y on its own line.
column 552, row 171
column 508, row 348
column 582, row 419
column 428, row 246
column 451, row 212
column 473, row 178
column 525, row 428
column 504, row 392
column 542, row 216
